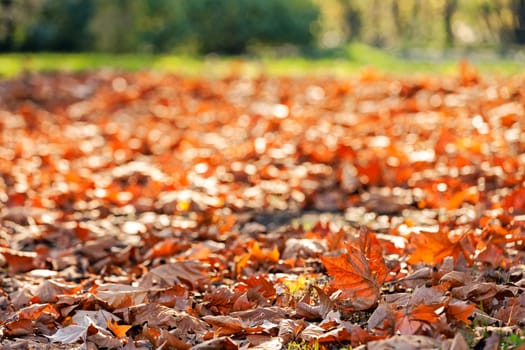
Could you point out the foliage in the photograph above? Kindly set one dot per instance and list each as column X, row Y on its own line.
column 242, row 26
column 61, row 26
column 512, row 341
column 152, row 210
column 230, row 26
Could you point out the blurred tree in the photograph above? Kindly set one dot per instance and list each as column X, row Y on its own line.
column 114, row 25
column 406, row 20
column 7, row 25
column 233, row 26
column 449, row 9
column 229, row 26
column 376, row 15
column 499, row 18
column 353, row 19
column 519, row 20
column 164, row 25
column 61, row 26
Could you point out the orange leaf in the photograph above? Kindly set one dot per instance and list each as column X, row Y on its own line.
column 165, row 247
column 264, row 254
column 515, row 201
column 32, row 312
column 411, row 320
column 433, row 247
column 118, row 330
column 241, row 262
column 360, row 272
column 460, row 311
column 19, row 261
column 425, row 313
column 18, row 328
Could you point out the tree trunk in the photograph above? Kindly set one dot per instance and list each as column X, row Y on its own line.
column 398, row 21
column 448, row 11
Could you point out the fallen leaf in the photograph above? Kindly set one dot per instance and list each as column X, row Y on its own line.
column 460, row 311
column 407, row 342
column 119, row 330
column 359, row 272
column 191, row 273
column 433, row 247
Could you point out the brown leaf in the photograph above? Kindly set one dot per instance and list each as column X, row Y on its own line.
column 226, row 325
column 407, row 342
column 458, row 343
column 156, row 315
column 192, row 273
column 314, row 312
column 120, row 295
column 69, row 335
column 290, row 329
column 49, row 290
column 383, row 320
column 347, row 332
column 359, row 272
column 220, row 343
column 259, row 315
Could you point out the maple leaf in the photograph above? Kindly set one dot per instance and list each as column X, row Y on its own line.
column 359, row 272
column 433, row 247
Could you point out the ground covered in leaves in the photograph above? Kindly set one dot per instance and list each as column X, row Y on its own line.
column 153, row 211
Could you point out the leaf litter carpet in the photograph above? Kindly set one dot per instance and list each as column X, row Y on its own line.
column 153, row 211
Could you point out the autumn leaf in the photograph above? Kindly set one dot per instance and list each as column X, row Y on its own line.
column 314, row 312
column 34, row 311
column 69, row 334
column 192, row 209
column 433, row 247
column 18, row 328
column 190, row 272
column 415, row 319
column 347, row 332
column 359, row 272
column 460, row 311
column 19, row 261
column 119, row 330
column 164, row 248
